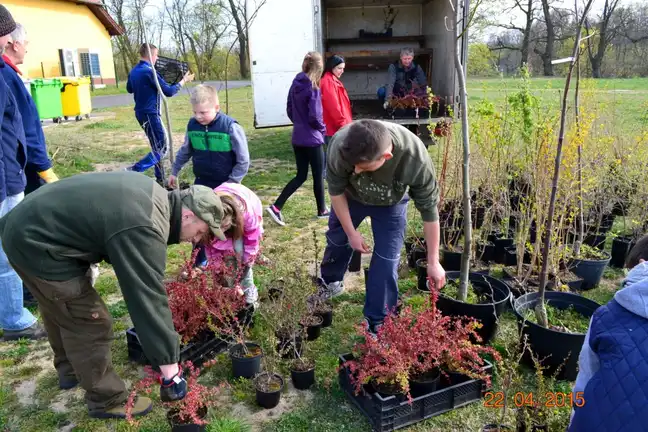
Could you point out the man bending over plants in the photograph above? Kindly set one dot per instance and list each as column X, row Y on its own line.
column 373, row 166
column 611, row 389
column 126, row 219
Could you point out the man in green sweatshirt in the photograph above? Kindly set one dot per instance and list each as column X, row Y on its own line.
column 128, row 220
column 372, row 167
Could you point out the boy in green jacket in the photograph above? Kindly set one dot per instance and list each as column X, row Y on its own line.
column 372, row 167
column 128, row 220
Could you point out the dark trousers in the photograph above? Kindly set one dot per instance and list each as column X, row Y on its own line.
column 388, row 226
column 79, row 329
column 305, row 156
column 154, row 130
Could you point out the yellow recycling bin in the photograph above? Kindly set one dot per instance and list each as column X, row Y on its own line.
column 76, row 99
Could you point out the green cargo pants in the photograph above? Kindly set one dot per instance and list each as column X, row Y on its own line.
column 79, row 329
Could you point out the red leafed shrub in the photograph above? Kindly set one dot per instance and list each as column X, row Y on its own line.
column 411, row 344
column 204, row 302
column 186, row 411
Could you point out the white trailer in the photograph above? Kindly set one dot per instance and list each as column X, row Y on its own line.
column 283, row 31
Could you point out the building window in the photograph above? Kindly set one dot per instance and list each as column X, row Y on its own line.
column 90, row 64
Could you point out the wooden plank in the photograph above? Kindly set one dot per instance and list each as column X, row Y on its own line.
column 373, row 53
column 415, row 38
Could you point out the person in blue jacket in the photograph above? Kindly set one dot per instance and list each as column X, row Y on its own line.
column 612, row 383
column 39, row 166
column 141, row 83
column 15, row 321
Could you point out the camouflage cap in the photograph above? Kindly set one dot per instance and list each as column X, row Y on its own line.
column 205, row 204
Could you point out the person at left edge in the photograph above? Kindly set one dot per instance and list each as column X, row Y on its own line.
column 141, row 83
column 38, row 170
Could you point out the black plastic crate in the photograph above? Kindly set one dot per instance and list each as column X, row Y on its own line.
column 391, row 413
column 196, row 352
column 172, row 70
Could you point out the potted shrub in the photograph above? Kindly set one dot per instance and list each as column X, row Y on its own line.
column 302, row 371
column 589, row 265
column 269, row 384
column 188, row 414
column 313, row 326
column 417, row 348
column 246, row 359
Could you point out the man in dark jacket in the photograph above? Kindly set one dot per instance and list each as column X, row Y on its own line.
column 59, row 230
column 15, row 321
column 404, row 76
column 141, row 82
column 39, row 166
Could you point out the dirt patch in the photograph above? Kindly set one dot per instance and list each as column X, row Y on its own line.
column 61, row 402
column 111, row 166
column 290, row 400
column 26, row 392
column 267, row 165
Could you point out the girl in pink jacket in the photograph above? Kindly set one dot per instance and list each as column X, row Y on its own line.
column 243, row 226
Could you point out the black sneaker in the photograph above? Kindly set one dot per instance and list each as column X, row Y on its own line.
column 275, row 214
column 34, row 332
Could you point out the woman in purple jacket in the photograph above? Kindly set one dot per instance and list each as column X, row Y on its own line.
column 305, row 111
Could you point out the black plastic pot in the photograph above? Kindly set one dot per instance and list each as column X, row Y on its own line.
column 488, row 314
column 286, row 348
column 620, row 248
column 313, row 331
column 512, row 259
column 179, row 427
column 410, row 242
column 327, row 318
column 590, row 270
column 268, row 400
column 246, row 367
column 478, row 216
column 420, row 387
column 500, row 248
column 303, row 380
column 421, row 274
column 451, row 261
column 553, row 348
column 355, row 263
column 417, row 253
column 486, row 251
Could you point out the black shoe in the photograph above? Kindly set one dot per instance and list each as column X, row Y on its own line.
column 68, row 383
column 34, row 332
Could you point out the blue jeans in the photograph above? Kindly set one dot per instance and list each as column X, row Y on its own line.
column 388, row 226
column 13, row 316
column 154, row 130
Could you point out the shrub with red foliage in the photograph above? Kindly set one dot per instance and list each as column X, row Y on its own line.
column 412, row 344
column 202, row 302
column 187, row 410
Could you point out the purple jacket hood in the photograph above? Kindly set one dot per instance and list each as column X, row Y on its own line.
column 304, row 108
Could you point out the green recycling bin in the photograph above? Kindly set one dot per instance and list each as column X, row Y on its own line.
column 47, row 97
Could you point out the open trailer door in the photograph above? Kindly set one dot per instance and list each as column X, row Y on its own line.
column 282, row 32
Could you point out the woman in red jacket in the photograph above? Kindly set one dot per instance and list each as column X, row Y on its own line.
column 335, row 100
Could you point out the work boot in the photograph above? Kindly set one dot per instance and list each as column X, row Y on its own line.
column 141, row 407
column 33, row 332
column 68, row 382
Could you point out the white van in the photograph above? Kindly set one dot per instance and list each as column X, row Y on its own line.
column 361, row 31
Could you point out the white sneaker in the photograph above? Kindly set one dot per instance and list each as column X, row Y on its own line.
column 276, row 215
column 330, row 290
column 252, row 296
column 94, row 273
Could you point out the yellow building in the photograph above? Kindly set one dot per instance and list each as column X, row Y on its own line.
column 66, row 38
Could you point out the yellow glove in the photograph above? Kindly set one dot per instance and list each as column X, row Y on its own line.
column 48, row 176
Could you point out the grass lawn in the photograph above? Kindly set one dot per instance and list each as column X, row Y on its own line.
column 29, row 395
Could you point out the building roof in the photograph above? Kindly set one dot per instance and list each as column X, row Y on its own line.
column 98, row 9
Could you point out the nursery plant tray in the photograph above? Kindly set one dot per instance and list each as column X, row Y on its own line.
column 196, row 352
column 390, row 413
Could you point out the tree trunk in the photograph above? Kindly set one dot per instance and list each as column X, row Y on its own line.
column 244, row 57
column 596, row 67
column 465, row 256
column 540, row 310
column 548, row 54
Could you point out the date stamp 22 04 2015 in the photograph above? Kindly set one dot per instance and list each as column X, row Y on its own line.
column 548, row 400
